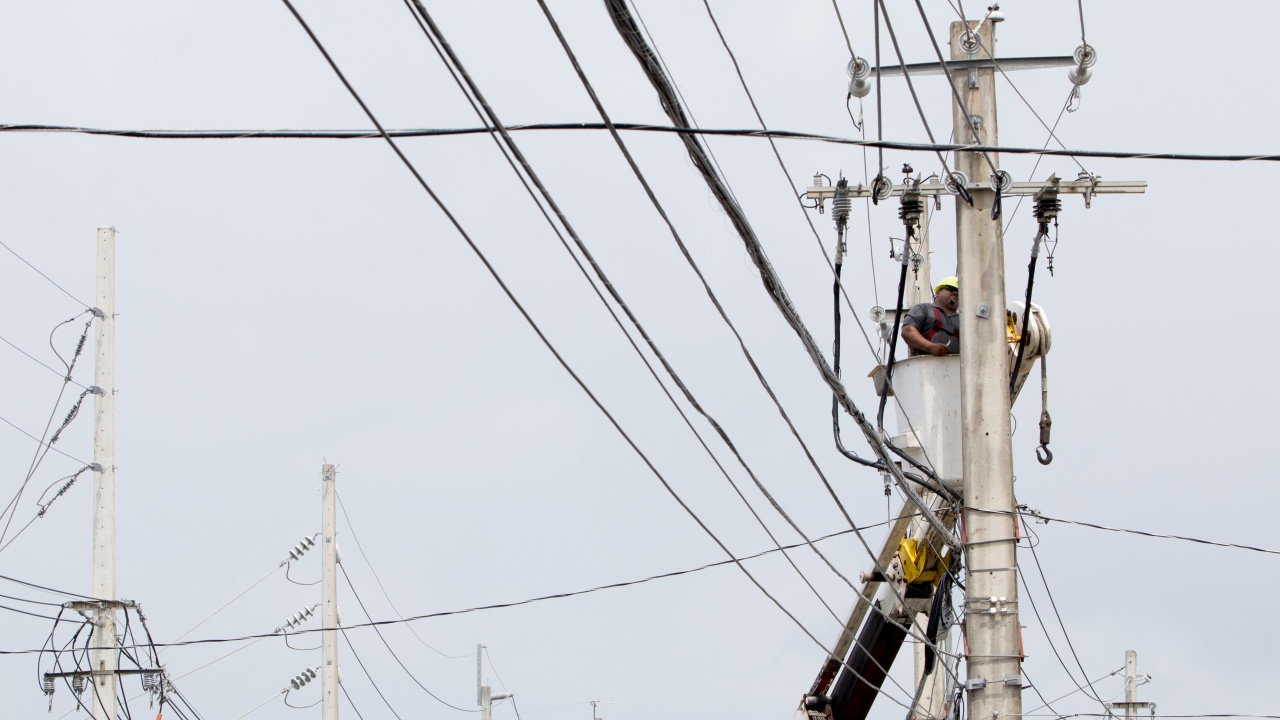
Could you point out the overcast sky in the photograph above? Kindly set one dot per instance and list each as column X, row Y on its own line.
column 286, row 303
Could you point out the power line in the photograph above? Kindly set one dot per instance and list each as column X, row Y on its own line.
column 448, row 613
column 773, row 284
column 12, row 508
column 352, row 530
column 349, row 702
column 1032, row 513
column 33, row 267
column 951, row 82
column 399, row 662
column 844, row 32
column 671, row 106
column 1039, row 620
column 360, row 662
column 24, row 612
column 642, row 127
column 529, row 320
column 1070, row 646
column 884, row 13
column 604, row 280
column 1067, row 695
column 33, row 602
column 44, row 507
column 264, row 702
column 55, row 591
column 37, row 360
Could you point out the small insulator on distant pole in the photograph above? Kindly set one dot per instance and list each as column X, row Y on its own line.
column 302, row 547
column 303, row 678
column 297, row 618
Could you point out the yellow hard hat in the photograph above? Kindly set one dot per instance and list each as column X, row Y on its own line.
column 951, row 282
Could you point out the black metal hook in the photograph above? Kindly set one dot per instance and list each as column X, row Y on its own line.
column 1044, row 455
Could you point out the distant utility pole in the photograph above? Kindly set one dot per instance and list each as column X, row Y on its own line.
column 1131, row 705
column 103, row 656
column 484, row 694
column 329, row 593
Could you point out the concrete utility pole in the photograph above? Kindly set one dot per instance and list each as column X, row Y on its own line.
column 1131, row 705
column 485, row 694
column 103, row 657
column 329, row 593
column 991, row 591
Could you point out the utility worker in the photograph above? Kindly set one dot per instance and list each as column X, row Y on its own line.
column 934, row 328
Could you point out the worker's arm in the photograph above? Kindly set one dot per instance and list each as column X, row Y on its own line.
column 914, row 340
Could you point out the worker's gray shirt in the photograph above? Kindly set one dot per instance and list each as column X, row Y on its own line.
column 922, row 317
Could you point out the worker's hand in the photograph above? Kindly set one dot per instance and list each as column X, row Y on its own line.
column 938, row 350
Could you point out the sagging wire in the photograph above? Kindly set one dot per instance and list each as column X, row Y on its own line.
column 287, row 567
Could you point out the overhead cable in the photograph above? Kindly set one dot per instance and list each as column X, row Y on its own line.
column 37, row 360
column 351, row 529
column 951, row 82
column 33, row 267
column 773, row 284
column 1062, row 626
column 537, row 330
column 12, row 508
column 399, row 662
column 627, row 28
column 834, row 267
column 490, row 116
column 884, row 12
column 360, row 662
column 1028, row 512
column 639, row 127
column 449, row 613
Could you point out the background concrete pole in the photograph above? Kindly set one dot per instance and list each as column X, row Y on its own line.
column 103, row 659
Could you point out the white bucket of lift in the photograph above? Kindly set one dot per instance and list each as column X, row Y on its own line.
column 926, row 394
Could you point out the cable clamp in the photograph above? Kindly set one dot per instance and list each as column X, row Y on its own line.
column 96, row 467
column 97, row 312
column 95, row 390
